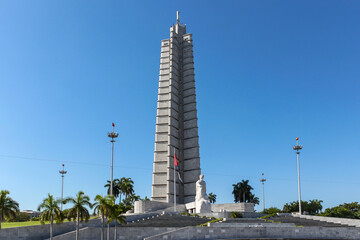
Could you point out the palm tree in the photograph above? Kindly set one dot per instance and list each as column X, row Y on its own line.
column 115, row 215
column 242, row 191
column 314, row 206
column 116, row 188
column 237, row 192
column 102, row 206
column 145, row 199
column 126, row 186
column 79, row 210
column 212, row 197
column 129, row 201
column 246, row 189
column 253, row 199
column 50, row 211
column 286, row 208
column 8, row 207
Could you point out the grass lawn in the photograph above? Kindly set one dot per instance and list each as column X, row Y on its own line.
column 24, row 224
column 19, row 224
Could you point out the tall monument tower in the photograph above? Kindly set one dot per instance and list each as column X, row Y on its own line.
column 176, row 120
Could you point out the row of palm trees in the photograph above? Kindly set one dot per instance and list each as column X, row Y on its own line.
column 123, row 187
column 106, row 207
column 103, row 206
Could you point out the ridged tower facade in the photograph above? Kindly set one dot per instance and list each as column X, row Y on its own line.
column 176, row 120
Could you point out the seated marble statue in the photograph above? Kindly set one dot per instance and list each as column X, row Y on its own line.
column 202, row 203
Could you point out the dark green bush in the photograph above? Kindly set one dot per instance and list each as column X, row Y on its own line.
column 212, row 221
column 235, row 215
column 268, row 216
column 271, row 210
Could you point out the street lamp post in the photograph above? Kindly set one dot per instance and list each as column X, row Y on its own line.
column 297, row 148
column 263, row 180
column 62, row 172
column 112, row 135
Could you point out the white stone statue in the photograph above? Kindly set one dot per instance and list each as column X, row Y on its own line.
column 202, row 203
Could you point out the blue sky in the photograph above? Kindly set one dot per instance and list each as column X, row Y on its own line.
column 266, row 73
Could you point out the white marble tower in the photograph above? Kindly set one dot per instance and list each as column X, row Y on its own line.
column 176, row 120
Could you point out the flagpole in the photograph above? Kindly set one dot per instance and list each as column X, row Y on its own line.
column 174, row 183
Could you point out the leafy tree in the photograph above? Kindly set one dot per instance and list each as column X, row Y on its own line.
column 354, row 206
column 64, row 214
column 23, row 217
column 338, row 211
column 20, row 217
column 311, row 207
column 50, row 211
column 102, row 206
column 294, row 206
column 35, row 219
column 79, row 210
column 8, row 207
column 271, row 210
column 212, row 197
column 314, row 206
column 345, row 210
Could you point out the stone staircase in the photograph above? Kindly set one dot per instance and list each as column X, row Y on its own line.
column 304, row 222
column 168, row 220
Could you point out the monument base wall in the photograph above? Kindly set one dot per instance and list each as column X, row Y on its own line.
column 149, row 206
column 233, row 207
column 155, row 206
column 226, row 215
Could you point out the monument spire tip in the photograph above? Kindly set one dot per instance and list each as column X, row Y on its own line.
column 177, row 17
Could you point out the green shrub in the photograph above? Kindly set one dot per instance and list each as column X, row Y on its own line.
column 345, row 210
column 311, row 207
column 235, row 215
column 19, row 217
column 268, row 216
column 271, row 210
column 338, row 211
column 185, row 214
column 212, row 221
